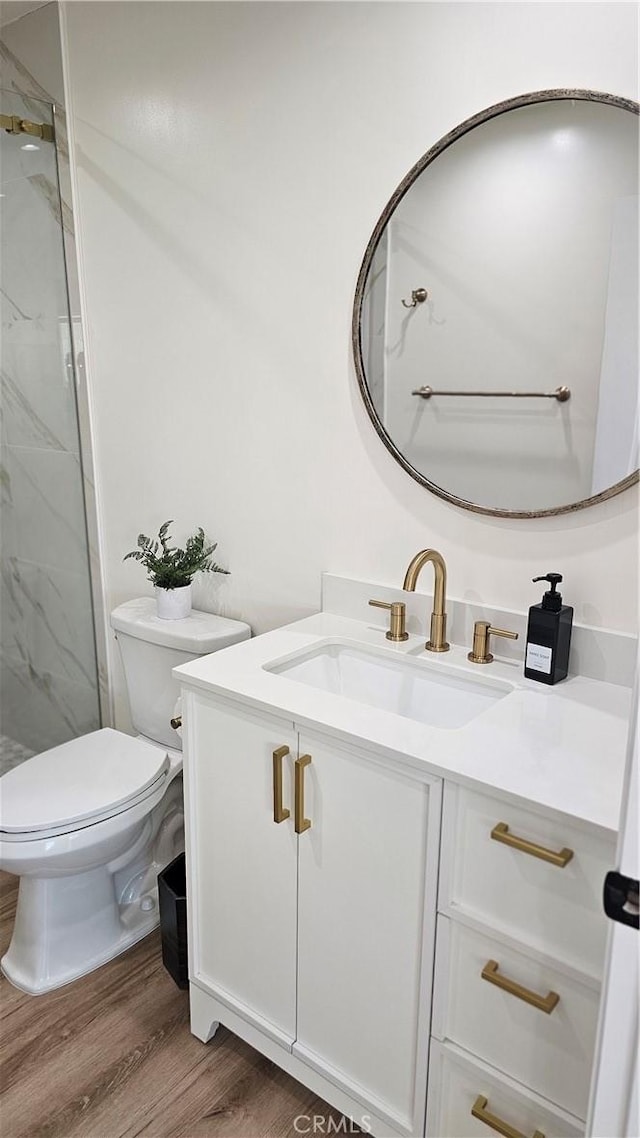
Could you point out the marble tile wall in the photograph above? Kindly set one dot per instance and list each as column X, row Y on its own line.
column 11, row 754
column 48, row 673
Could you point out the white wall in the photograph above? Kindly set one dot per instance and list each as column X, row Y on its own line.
column 232, row 162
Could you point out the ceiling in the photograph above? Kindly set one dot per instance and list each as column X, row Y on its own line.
column 13, row 9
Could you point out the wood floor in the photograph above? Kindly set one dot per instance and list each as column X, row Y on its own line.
column 111, row 1056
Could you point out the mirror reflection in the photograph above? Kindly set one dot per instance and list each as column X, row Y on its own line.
column 495, row 326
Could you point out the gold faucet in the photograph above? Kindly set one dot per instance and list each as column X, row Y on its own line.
column 437, row 641
column 482, row 630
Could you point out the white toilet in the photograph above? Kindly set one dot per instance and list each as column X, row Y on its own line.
column 87, row 826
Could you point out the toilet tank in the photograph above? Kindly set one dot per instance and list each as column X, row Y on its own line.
column 151, row 647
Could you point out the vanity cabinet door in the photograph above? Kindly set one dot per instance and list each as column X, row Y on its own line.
column 242, row 864
column 367, row 880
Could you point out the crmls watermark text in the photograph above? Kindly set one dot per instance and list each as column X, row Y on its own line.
column 323, row 1124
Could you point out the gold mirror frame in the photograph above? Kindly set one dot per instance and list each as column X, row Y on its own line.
column 356, row 326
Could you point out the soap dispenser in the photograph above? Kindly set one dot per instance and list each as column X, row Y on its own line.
column 548, row 635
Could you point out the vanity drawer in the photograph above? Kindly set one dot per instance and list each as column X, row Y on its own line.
column 550, row 1051
column 457, row 1082
column 556, row 908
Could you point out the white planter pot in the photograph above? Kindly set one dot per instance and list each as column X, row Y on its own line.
column 173, row 604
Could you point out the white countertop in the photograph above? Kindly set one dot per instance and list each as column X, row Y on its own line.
column 562, row 747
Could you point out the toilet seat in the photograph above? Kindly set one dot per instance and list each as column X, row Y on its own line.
column 78, row 784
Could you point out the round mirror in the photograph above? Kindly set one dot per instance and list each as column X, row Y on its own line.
column 495, row 326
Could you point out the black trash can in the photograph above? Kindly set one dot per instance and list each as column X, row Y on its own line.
column 172, row 900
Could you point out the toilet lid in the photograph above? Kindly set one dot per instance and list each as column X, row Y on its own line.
column 95, row 775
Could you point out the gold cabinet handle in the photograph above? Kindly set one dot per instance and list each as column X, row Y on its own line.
column 280, row 812
column 479, row 1110
column 301, row 823
column 500, row 833
column 543, row 1003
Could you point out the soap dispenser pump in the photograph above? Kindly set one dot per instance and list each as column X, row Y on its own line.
column 548, row 635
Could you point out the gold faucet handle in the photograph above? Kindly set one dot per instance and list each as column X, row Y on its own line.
column 398, row 611
column 482, row 630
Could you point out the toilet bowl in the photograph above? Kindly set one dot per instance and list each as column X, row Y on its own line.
column 88, row 825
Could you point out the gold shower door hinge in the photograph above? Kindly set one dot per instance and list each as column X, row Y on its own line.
column 14, row 125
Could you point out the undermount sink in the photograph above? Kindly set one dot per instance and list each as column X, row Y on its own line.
column 427, row 692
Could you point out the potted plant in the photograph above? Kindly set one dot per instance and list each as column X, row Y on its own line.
column 171, row 570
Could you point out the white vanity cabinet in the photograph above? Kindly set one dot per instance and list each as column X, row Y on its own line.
column 426, row 954
column 243, row 876
column 519, row 960
column 316, row 946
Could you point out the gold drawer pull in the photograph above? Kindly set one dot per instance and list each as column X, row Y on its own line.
column 280, row 812
column 301, row 823
column 543, row 1003
column 479, row 1110
column 500, row 833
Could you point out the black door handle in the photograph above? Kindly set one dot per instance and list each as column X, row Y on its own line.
column 620, row 899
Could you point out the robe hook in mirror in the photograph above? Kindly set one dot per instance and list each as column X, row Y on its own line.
column 418, row 296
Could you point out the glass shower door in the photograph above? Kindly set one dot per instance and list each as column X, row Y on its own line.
column 48, row 673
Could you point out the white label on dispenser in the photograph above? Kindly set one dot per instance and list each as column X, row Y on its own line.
column 539, row 658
